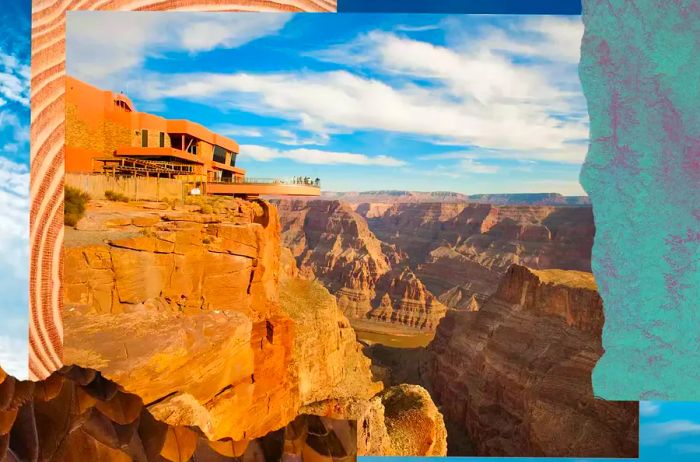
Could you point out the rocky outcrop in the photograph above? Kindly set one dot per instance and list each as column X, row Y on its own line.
column 414, row 424
column 201, row 317
column 78, row 415
column 182, row 308
column 333, row 244
column 405, row 301
column 516, row 375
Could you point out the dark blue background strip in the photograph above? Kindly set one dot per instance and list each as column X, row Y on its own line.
column 462, row 6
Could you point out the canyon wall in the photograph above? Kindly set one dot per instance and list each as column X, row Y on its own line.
column 196, row 310
column 332, row 243
column 460, row 251
column 516, row 375
column 449, row 254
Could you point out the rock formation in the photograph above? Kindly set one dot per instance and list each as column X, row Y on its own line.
column 403, row 299
column 516, row 375
column 202, row 317
column 78, row 415
column 460, row 251
column 332, row 243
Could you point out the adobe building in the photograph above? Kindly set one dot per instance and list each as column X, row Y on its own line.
column 105, row 134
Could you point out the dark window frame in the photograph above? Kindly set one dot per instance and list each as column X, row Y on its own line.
column 144, row 138
column 216, row 154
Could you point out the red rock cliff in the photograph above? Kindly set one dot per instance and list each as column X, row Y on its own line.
column 515, row 375
column 189, row 311
column 332, row 243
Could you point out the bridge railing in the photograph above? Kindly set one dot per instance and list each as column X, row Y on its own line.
column 294, row 181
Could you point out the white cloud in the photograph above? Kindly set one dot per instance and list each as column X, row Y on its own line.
column 473, row 166
column 235, row 131
column 14, row 357
column 14, row 261
column 336, row 101
column 14, row 80
column 315, row 156
column 511, row 90
column 93, row 53
column 292, row 138
column 649, row 408
column 14, row 134
column 662, row 432
column 548, row 38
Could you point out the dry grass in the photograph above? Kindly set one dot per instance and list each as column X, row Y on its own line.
column 115, row 196
column 74, row 203
column 570, row 278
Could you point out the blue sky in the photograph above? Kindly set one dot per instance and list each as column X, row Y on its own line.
column 14, row 185
column 473, row 104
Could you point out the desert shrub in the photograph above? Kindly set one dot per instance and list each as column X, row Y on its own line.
column 171, row 203
column 74, row 201
column 206, row 208
column 115, row 196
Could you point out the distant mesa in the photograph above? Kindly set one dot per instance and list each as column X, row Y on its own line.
column 398, row 196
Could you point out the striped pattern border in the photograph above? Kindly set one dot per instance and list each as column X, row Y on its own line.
column 46, row 152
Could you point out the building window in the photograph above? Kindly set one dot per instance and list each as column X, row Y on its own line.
column 162, row 139
column 219, row 154
column 233, row 159
column 144, row 138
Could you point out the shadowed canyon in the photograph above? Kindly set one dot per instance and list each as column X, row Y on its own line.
column 226, row 329
column 492, row 308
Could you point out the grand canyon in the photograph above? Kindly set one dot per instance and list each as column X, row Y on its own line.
column 229, row 329
column 485, row 301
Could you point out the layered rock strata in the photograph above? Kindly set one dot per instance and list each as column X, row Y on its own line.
column 370, row 279
column 461, row 251
column 200, row 316
column 516, row 375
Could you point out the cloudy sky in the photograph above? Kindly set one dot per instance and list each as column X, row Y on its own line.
column 14, row 186
column 474, row 104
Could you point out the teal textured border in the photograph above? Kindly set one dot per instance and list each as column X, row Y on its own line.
column 640, row 71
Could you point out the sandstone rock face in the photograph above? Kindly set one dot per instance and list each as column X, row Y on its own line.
column 78, row 415
column 203, row 319
column 517, row 373
column 183, row 310
column 406, row 301
column 333, row 244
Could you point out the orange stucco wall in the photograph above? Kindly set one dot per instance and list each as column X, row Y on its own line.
column 96, row 127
